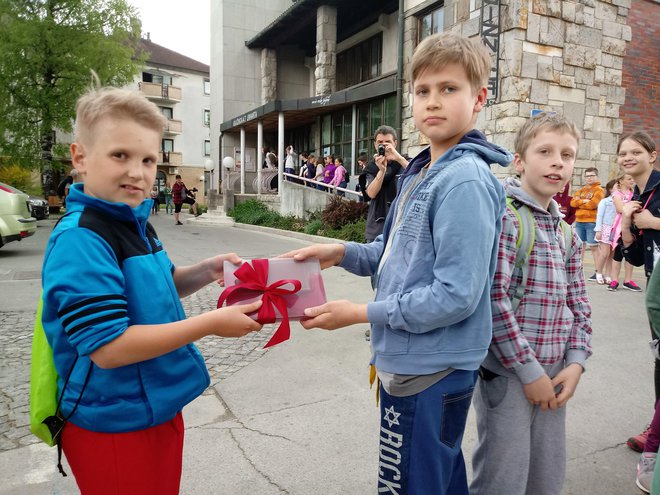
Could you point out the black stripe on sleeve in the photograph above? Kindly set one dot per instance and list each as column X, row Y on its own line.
column 90, row 300
column 101, row 319
column 91, row 311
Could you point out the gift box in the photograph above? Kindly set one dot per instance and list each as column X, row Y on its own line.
column 285, row 286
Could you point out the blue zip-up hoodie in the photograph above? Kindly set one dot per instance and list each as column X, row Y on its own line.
column 105, row 270
column 432, row 307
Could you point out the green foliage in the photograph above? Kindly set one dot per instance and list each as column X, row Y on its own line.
column 17, row 177
column 340, row 212
column 47, row 49
column 254, row 212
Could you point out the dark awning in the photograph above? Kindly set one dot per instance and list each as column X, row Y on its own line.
column 304, row 111
column 297, row 25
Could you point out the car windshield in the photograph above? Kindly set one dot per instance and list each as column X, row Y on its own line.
column 8, row 188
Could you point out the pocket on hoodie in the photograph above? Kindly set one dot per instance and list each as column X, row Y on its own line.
column 546, row 322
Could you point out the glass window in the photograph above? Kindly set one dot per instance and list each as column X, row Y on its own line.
column 207, row 86
column 168, row 145
column 167, row 112
column 360, row 63
column 207, row 147
column 207, row 117
column 430, row 22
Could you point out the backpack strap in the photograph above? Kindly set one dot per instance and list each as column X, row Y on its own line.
column 524, row 244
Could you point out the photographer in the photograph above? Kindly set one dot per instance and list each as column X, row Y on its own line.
column 182, row 195
column 380, row 174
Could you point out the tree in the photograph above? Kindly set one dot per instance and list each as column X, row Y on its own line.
column 48, row 49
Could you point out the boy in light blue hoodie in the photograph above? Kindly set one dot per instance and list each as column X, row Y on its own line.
column 434, row 264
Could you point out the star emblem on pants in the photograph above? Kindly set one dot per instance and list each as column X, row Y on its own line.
column 391, row 416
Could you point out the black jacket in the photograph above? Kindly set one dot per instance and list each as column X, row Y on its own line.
column 646, row 247
column 380, row 205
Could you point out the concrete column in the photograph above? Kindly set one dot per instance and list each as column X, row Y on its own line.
column 268, row 75
column 280, row 153
column 353, row 139
column 242, row 160
column 325, row 73
column 260, row 153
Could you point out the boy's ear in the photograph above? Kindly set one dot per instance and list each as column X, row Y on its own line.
column 481, row 95
column 518, row 163
column 78, row 156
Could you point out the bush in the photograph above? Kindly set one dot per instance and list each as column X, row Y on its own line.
column 340, row 212
column 17, row 177
column 313, row 227
column 353, row 232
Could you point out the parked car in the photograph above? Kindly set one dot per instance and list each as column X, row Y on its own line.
column 16, row 222
column 39, row 208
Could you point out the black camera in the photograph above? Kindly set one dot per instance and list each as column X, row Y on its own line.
column 381, row 150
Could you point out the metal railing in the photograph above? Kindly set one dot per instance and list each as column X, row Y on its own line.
column 324, row 187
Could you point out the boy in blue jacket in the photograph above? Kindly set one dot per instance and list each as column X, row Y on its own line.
column 112, row 314
column 434, row 264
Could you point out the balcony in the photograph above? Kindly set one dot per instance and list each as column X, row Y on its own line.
column 173, row 127
column 160, row 93
column 171, row 158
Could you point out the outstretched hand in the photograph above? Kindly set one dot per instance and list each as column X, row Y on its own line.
column 234, row 321
column 335, row 314
column 327, row 254
column 216, row 265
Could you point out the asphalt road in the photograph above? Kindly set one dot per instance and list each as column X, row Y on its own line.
column 299, row 418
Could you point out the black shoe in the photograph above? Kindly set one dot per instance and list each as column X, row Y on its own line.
column 178, row 223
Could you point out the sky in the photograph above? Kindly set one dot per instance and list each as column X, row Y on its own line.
column 180, row 26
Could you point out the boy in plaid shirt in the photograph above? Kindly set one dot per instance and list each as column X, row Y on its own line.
column 539, row 347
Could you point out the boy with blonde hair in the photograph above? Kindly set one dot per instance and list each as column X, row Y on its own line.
column 124, row 355
column 433, row 266
column 541, row 324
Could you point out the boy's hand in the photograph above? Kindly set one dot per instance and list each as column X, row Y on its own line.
column 233, row 321
column 567, row 379
column 597, row 236
column 541, row 393
column 327, row 254
column 335, row 314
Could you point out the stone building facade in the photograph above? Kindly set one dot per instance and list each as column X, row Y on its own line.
column 562, row 56
column 566, row 56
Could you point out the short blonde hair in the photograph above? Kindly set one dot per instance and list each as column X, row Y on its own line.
column 439, row 50
column 544, row 121
column 100, row 103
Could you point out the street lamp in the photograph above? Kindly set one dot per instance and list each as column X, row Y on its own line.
column 228, row 164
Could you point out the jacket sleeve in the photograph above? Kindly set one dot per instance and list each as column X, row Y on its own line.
column 578, row 348
column 85, row 288
column 462, row 239
column 599, row 217
column 653, row 301
column 363, row 259
column 509, row 344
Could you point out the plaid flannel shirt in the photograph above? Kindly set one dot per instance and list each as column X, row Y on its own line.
column 552, row 322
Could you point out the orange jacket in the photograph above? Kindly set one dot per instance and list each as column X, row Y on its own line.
column 585, row 201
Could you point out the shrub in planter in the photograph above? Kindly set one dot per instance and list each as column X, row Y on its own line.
column 340, row 212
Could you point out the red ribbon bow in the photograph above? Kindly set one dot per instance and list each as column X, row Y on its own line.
column 254, row 281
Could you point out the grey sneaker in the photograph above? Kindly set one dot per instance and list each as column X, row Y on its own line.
column 367, row 334
column 593, row 278
column 645, row 471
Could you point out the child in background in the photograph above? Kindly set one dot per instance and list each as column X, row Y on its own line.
column 620, row 196
column 640, row 242
column 605, row 216
column 542, row 339
column 585, row 201
column 563, row 199
column 339, row 180
column 128, row 351
column 434, row 262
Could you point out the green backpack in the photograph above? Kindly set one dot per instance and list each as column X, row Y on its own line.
column 46, row 420
column 525, row 243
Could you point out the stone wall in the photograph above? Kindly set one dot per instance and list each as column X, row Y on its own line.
column 564, row 56
column 269, row 75
column 325, row 73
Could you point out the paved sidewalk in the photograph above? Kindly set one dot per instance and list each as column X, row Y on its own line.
column 299, row 418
